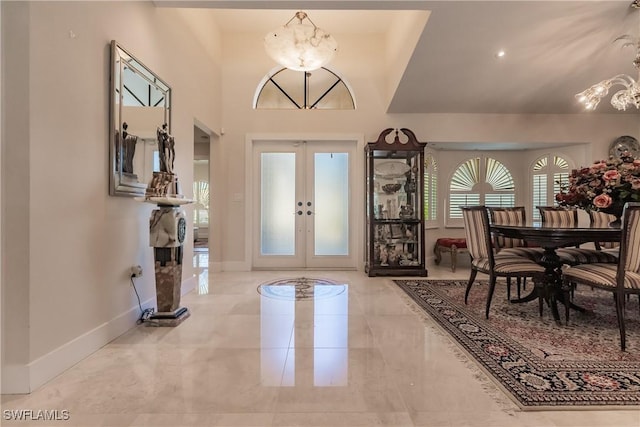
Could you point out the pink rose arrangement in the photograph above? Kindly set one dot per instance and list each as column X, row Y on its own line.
column 605, row 186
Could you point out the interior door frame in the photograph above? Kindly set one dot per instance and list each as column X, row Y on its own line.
column 357, row 186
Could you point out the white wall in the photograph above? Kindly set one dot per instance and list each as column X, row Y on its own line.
column 358, row 62
column 1, row 149
column 67, row 245
column 16, row 189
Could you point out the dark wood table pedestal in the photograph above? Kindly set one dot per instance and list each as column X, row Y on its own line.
column 548, row 286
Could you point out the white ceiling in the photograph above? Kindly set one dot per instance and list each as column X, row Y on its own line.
column 554, row 49
column 344, row 22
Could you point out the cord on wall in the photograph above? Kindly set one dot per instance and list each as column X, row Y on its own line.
column 144, row 314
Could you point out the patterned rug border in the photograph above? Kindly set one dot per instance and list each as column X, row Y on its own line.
column 517, row 389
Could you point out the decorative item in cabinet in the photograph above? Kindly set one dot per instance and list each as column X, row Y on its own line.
column 394, row 205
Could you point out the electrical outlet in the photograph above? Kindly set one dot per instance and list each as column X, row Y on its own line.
column 136, row 271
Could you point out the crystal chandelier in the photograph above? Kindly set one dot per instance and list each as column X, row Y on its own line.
column 623, row 98
column 300, row 46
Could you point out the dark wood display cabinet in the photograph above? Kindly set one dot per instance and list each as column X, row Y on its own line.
column 394, row 205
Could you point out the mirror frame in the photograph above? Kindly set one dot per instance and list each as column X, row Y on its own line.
column 120, row 182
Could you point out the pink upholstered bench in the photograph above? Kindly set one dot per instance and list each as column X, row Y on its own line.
column 451, row 245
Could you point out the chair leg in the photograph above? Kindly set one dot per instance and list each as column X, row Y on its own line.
column 508, row 288
column 540, row 298
column 573, row 290
column 519, row 282
column 566, row 296
column 619, row 299
column 492, row 287
column 474, row 272
column 540, row 304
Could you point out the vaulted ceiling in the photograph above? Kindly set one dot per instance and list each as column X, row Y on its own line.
column 553, row 49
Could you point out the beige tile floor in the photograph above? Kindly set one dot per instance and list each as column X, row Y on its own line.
column 361, row 358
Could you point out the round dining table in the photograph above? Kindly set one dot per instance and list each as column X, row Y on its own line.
column 549, row 286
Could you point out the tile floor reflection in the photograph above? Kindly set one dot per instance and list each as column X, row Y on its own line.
column 319, row 319
column 359, row 358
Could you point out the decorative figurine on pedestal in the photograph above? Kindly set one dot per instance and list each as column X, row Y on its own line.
column 167, row 232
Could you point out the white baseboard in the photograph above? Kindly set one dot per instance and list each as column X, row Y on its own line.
column 236, row 266
column 21, row 379
column 188, row 285
column 59, row 360
column 215, row 267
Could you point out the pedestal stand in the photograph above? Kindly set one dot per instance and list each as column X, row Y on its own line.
column 168, row 269
column 167, row 231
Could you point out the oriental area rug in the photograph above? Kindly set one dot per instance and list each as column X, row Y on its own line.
column 539, row 364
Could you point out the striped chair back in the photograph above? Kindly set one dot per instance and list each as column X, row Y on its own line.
column 507, row 216
column 558, row 215
column 602, row 220
column 630, row 247
column 476, row 228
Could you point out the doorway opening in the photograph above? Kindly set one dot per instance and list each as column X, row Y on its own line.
column 201, row 189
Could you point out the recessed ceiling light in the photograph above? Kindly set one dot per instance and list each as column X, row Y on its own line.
column 500, row 54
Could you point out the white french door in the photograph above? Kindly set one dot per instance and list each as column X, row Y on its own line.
column 304, row 208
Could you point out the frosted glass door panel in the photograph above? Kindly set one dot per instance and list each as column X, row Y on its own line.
column 331, row 212
column 277, row 199
column 301, row 201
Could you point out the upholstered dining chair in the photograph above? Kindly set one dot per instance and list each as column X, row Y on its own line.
column 558, row 215
column 565, row 217
column 602, row 219
column 622, row 278
column 506, row 245
column 483, row 259
column 509, row 246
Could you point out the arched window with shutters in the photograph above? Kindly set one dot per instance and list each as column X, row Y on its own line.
column 430, row 189
column 479, row 181
column 549, row 173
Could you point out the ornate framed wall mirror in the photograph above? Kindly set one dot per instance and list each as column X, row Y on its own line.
column 140, row 104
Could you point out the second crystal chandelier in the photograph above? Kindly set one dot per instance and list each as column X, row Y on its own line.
column 630, row 95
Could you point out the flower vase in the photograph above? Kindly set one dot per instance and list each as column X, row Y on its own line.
column 615, row 210
column 616, row 223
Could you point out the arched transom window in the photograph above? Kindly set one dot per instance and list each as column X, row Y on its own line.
column 480, row 181
column 312, row 90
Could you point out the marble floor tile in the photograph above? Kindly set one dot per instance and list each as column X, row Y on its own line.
column 243, row 419
column 365, row 358
column 172, row 420
column 342, row 419
column 343, row 379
